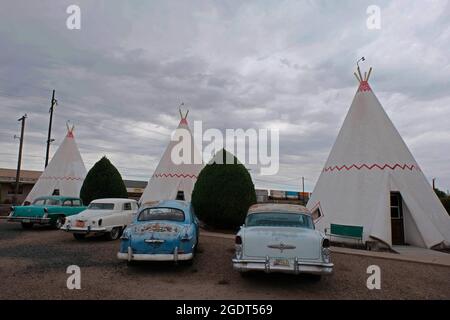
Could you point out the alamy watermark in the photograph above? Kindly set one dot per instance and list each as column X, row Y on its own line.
column 73, row 21
column 374, row 280
column 259, row 147
column 74, row 280
column 373, row 21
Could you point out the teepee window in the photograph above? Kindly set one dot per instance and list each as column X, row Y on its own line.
column 316, row 213
column 180, row 195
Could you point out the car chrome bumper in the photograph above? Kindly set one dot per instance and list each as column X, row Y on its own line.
column 130, row 256
column 83, row 230
column 26, row 219
column 296, row 266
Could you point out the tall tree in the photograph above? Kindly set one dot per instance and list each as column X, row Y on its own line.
column 103, row 181
column 223, row 192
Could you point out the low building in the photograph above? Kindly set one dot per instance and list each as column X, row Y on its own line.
column 8, row 184
column 135, row 188
column 29, row 177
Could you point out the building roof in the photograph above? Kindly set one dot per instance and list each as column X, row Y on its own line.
column 26, row 176
column 135, row 184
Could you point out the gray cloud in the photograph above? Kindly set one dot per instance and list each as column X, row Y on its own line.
column 253, row 64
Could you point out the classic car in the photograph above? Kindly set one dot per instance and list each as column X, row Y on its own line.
column 162, row 231
column 107, row 217
column 281, row 238
column 49, row 210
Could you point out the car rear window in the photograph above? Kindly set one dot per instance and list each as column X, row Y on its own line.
column 279, row 219
column 101, row 206
column 170, row 214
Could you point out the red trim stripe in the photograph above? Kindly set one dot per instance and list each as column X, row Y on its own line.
column 395, row 166
column 174, row 175
column 61, row 178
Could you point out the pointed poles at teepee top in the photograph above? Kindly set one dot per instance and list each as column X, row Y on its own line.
column 69, row 130
column 358, row 75
column 181, row 113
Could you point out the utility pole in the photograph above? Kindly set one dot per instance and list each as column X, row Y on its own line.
column 434, row 183
column 49, row 138
column 19, row 160
column 303, row 188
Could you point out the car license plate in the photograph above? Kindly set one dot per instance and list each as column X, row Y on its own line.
column 26, row 220
column 281, row 262
column 79, row 224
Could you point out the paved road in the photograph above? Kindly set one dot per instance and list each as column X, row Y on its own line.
column 33, row 265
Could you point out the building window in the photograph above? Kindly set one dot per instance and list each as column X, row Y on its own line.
column 55, row 192
column 12, row 189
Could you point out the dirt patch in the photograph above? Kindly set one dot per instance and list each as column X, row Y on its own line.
column 33, row 266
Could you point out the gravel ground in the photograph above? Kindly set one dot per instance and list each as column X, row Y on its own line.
column 33, row 266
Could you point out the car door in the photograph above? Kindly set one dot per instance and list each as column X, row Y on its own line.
column 66, row 207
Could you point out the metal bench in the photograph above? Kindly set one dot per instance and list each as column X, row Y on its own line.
column 345, row 231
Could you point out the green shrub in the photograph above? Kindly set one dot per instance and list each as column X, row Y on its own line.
column 223, row 192
column 440, row 193
column 446, row 203
column 103, row 181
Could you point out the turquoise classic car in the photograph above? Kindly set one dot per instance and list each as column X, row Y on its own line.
column 50, row 210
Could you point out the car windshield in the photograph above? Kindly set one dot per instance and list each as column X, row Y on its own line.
column 47, row 202
column 279, row 219
column 170, row 214
column 101, row 206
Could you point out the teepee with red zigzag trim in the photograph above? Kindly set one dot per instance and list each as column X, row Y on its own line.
column 371, row 180
column 65, row 173
column 178, row 169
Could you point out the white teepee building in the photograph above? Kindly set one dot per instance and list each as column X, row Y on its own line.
column 174, row 179
column 372, row 180
column 65, row 173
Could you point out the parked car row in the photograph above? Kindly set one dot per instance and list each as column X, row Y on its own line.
column 274, row 237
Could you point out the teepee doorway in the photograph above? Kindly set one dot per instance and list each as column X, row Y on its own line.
column 397, row 224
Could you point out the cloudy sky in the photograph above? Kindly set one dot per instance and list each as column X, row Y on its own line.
column 235, row 64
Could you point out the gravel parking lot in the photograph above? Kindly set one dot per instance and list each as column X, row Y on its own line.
column 33, row 266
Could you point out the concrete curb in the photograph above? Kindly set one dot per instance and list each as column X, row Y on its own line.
column 438, row 261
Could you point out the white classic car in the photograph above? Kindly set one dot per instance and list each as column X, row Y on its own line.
column 281, row 238
column 102, row 217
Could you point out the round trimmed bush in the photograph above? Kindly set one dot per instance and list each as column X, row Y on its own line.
column 223, row 192
column 103, row 181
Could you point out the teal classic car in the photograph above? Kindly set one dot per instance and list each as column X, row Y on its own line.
column 50, row 210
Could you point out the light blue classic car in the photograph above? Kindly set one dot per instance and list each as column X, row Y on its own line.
column 281, row 238
column 48, row 210
column 161, row 231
